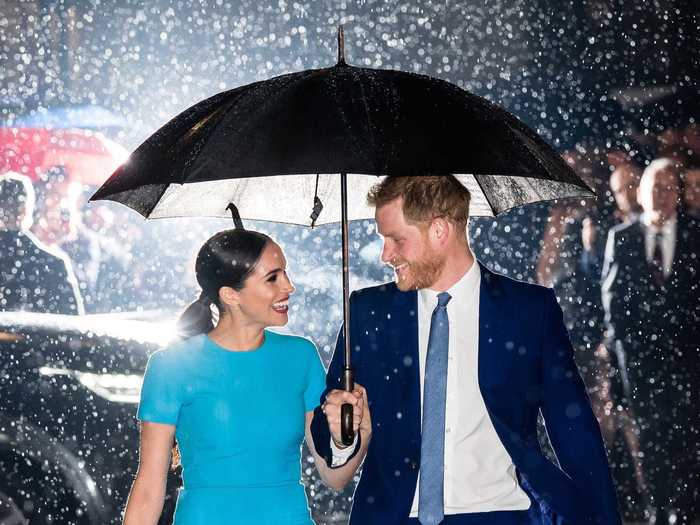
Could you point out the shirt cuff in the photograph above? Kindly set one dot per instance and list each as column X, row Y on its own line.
column 341, row 455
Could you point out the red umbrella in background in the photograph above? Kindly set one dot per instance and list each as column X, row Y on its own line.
column 88, row 157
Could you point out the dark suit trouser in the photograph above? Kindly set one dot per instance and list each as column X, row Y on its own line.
column 522, row 517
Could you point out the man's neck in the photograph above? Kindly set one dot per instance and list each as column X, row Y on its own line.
column 456, row 266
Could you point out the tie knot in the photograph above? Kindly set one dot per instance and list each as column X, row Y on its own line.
column 443, row 299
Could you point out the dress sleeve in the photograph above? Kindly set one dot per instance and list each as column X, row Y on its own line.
column 161, row 393
column 317, row 379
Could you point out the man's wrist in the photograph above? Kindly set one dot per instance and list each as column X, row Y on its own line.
column 340, row 445
column 341, row 456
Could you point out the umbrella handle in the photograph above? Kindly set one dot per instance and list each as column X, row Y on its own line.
column 347, row 434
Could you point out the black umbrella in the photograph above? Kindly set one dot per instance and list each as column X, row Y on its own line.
column 267, row 148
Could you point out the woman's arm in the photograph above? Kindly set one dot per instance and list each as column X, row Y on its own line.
column 147, row 495
column 337, row 478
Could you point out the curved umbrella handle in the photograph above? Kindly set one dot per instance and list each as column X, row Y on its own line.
column 347, row 434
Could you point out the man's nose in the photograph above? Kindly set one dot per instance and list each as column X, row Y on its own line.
column 387, row 254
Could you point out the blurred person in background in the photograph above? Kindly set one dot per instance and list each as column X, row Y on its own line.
column 624, row 183
column 571, row 262
column 691, row 193
column 33, row 277
column 58, row 222
column 51, row 217
column 651, row 300
column 691, row 138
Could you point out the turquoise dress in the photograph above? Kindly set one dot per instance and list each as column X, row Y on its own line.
column 239, row 419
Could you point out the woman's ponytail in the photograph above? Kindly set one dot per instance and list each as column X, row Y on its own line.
column 197, row 318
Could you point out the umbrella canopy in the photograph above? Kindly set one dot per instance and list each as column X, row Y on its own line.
column 341, row 119
column 65, row 117
column 87, row 157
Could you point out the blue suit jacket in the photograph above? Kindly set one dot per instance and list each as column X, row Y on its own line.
column 526, row 366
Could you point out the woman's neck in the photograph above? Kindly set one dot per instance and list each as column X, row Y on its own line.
column 236, row 336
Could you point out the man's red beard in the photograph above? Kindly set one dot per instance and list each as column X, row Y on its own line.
column 419, row 274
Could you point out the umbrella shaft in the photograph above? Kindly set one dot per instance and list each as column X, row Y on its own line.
column 346, row 273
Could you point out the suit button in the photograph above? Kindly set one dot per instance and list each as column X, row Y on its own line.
column 413, row 465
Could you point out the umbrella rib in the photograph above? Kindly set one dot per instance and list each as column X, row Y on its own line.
column 238, row 100
column 486, row 197
column 207, row 132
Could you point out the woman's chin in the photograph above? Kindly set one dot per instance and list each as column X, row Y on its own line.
column 279, row 319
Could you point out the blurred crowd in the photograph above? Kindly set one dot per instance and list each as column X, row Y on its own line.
column 624, row 266
column 83, row 258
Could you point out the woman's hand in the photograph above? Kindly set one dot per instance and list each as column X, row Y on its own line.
column 338, row 477
column 361, row 419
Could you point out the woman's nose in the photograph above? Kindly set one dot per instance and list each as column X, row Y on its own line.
column 289, row 286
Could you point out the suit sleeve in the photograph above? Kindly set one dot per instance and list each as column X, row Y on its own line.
column 610, row 285
column 571, row 425
column 320, row 432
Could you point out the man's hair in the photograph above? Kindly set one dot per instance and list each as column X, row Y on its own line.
column 17, row 199
column 629, row 167
column 663, row 164
column 425, row 197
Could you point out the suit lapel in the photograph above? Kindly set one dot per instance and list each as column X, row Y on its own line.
column 490, row 331
column 405, row 318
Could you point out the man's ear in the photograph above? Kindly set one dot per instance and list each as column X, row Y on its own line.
column 441, row 229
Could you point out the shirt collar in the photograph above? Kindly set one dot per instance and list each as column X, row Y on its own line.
column 668, row 227
column 466, row 284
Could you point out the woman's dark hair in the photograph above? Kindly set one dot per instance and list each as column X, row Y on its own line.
column 226, row 259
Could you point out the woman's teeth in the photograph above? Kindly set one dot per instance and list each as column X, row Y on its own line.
column 281, row 307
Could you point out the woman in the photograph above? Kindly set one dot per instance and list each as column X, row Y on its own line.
column 237, row 398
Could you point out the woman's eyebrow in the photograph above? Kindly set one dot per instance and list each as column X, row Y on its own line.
column 276, row 270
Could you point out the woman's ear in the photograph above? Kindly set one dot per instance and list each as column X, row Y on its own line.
column 229, row 297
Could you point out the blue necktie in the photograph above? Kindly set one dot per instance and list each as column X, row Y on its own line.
column 431, row 491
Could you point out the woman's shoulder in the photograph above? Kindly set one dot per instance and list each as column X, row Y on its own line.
column 179, row 352
column 291, row 341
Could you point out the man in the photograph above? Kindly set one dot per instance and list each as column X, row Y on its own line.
column 58, row 223
column 457, row 363
column 624, row 182
column 652, row 310
column 691, row 192
column 32, row 276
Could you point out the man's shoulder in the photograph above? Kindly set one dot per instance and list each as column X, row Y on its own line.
column 627, row 230
column 377, row 292
column 35, row 250
column 514, row 289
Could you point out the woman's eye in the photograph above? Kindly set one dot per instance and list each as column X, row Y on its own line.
column 272, row 279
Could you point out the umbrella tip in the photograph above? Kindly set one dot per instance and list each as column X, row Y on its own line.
column 341, row 46
column 237, row 222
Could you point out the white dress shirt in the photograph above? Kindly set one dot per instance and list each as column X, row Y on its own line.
column 668, row 242
column 479, row 473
